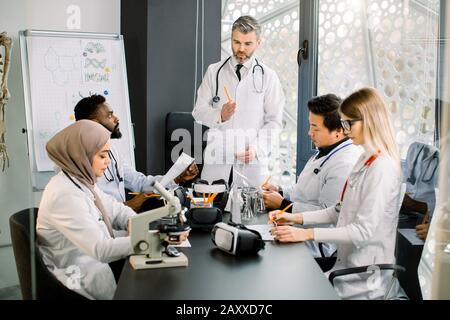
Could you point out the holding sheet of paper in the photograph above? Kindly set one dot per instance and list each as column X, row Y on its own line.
column 182, row 163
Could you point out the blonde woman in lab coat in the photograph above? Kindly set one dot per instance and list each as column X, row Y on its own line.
column 77, row 223
column 367, row 215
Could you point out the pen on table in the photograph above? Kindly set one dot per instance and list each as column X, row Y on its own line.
column 228, row 95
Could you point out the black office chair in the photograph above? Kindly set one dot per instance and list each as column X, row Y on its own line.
column 184, row 120
column 48, row 287
column 363, row 269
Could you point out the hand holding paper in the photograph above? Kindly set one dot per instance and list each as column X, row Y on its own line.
column 183, row 162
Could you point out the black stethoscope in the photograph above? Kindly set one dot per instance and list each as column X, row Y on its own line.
column 111, row 178
column 317, row 170
column 216, row 98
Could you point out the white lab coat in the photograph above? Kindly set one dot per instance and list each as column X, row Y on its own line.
column 256, row 122
column 75, row 243
column 319, row 191
column 365, row 227
column 131, row 179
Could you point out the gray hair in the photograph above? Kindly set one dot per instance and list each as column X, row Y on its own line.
column 246, row 24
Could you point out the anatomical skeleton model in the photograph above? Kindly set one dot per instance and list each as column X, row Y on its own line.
column 5, row 60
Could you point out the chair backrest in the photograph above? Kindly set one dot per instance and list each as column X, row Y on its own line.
column 183, row 134
column 47, row 285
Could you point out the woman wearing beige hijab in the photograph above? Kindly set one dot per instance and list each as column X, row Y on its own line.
column 77, row 225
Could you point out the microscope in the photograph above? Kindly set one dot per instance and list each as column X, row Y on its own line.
column 152, row 246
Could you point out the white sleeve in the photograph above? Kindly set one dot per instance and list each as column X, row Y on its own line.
column 137, row 181
column 335, row 235
column 204, row 112
column 274, row 101
column 118, row 213
column 72, row 216
column 324, row 216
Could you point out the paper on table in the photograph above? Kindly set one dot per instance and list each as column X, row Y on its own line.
column 411, row 236
column 264, row 230
column 178, row 167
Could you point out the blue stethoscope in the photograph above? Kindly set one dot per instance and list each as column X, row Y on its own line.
column 317, row 170
column 216, row 98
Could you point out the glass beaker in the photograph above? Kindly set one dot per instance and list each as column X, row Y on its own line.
column 249, row 202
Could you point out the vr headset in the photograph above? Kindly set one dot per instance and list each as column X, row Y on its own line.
column 236, row 239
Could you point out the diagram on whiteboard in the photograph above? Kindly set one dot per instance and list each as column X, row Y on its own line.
column 60, row 66
column 62, row 71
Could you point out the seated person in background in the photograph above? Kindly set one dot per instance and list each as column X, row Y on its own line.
column 320, row 183
column 366, row 218
column 120, row 175
column 77, row 223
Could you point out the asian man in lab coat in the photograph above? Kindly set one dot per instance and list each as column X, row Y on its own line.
column 320, row 183
column 120, row 175
column 241, row 101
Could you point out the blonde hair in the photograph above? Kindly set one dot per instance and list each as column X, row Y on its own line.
column 378, row 133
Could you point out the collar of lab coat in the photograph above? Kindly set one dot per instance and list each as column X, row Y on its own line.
column 247, row 64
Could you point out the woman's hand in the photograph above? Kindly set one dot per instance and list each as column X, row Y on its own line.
column 292, row 234
column 285, row 217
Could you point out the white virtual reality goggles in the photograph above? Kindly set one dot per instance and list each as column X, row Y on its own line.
column 236, row 239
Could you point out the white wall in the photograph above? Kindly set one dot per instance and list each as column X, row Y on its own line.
column 15, row 185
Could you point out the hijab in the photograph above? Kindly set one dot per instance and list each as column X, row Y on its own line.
column 73, row 150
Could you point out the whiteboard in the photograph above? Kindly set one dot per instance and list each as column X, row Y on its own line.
column 61, row 68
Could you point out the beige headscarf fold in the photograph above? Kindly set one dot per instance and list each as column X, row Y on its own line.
column 73, row 150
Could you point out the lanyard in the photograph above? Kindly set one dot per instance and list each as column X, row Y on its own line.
column 366, row 164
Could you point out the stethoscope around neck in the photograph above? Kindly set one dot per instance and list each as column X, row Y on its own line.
column 317, row 170
column 111, row 175
column 216, row 97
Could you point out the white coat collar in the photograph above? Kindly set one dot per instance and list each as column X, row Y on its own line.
column 247, row 64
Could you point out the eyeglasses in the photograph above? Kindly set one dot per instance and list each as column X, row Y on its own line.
column 347, row 124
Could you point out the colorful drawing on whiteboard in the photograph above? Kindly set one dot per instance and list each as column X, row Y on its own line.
column 94, row 47
column 60, row 66
column 95, row 63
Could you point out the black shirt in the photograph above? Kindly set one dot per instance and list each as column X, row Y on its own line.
column 324, row 151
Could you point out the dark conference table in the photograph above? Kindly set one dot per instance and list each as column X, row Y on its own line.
column 277, row 272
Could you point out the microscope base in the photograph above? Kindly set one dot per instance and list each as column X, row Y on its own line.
column 142, row 262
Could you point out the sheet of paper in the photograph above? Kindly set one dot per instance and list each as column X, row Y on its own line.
column 178, row 167
column 264, row 230
column 412, row 237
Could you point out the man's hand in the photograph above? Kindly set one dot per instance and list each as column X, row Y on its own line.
column 246, row 156
column 270, row 187
column 292, row 234
column 187, row 175
column 422, row 230
column 228, row 109
column 272, row 199
column 136, row 202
